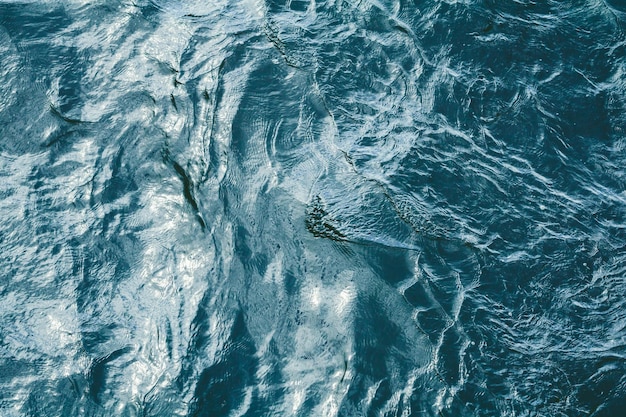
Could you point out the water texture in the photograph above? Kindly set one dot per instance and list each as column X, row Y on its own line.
column 313, row 208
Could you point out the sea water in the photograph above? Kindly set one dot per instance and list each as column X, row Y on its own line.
column 313, row 208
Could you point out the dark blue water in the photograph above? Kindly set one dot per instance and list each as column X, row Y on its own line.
column 313, row 208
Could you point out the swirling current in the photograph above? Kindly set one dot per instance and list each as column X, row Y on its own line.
column 313, row 208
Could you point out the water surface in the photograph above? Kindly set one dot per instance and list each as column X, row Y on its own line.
column 312, row 208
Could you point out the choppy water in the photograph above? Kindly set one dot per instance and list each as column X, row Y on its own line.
column 313, row 208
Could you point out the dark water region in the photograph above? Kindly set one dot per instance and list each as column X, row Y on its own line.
column 313, row 208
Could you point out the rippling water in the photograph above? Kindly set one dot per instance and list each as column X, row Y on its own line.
column 313, row 208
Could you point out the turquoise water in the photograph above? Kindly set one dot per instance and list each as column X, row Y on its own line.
column 313, row 208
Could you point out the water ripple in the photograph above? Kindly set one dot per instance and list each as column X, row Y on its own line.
column 312, row 208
